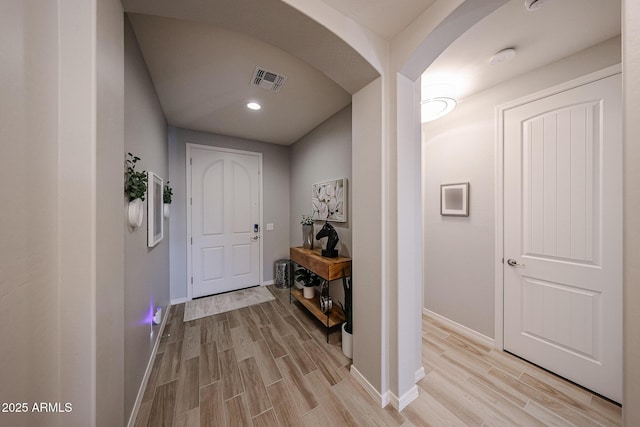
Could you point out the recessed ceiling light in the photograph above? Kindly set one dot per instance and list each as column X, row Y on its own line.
column 254, row 106
column 503, row 56
column 435, row 108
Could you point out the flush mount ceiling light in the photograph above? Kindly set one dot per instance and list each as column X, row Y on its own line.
column 254, row 106
column 502, row 56
column 435, row 108
column 533, row 5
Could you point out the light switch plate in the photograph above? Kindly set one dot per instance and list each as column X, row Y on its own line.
column 270, row 226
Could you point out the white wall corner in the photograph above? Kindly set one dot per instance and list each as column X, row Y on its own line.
column 409, row 237
column 403, row 401
column 381, row 399
column 498, row 233
column 461, row 329
column 386, row 399
column 147, row 372
column 178, row 301
column 420, row 374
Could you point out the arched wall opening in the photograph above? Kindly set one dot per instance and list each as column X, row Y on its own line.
column 408, row 182
column 409, row 191
column 396, row 142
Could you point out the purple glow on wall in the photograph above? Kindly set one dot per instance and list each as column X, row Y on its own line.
column 148, row 318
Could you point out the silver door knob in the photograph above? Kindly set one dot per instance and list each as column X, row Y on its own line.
column 513, row 263
column 255, row 237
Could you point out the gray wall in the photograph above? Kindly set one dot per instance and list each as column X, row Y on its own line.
column 61, row 125
column 109, row 296
column 459, row 252
column 321, row 155
column 29, row 306
column 275, row 180
column 631, row 100
column 146, row 269
column 367, row 268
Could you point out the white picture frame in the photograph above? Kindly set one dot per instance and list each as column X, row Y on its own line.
column 454, row 199
column 329, row 200
column 155, row 224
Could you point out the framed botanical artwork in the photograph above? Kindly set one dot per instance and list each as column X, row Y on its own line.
column 329, row 200
column 454, row 199
column 155, row 230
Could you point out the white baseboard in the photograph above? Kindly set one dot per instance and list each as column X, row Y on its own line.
column 461, row 329
column 388, row 397
column 403, row 401
column 381, row 399
column 179, row 300
column 147, row 372
column 270, row 282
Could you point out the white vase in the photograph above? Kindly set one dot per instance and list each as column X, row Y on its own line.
column 135, row 213
column 308, row 292
column 347, row 342
column 165, row 210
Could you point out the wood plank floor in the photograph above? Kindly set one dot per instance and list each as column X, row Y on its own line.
column 269, row 365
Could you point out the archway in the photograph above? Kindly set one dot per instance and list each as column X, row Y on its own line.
column 409, row 219
column 408, row 147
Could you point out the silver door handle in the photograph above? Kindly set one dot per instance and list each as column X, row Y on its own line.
column 255, row 237
column 514, row 263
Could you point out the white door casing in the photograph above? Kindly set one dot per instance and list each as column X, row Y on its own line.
column 223, row 209
column 563, row 229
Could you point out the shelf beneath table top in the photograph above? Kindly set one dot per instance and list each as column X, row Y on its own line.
column 336, row 316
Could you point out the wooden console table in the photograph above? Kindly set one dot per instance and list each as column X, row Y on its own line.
column 328, row 269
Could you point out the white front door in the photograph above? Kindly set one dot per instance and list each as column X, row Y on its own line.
column 225, row 218
column 563, row 234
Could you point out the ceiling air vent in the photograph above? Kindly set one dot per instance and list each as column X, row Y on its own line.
column 268, row 80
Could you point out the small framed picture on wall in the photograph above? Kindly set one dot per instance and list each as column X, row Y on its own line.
column 155, row 230
column 454, row 199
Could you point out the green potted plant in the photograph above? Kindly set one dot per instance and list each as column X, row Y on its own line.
column 167, row 196
column 135, row 187
column 308, row 280
column 347, row 326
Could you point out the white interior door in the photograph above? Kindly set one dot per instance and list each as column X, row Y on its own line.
column 563, row 234
column 225, row 218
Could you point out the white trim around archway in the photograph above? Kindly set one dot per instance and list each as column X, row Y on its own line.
column 409, row 194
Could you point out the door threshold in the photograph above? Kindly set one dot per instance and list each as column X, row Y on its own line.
column 225, row 292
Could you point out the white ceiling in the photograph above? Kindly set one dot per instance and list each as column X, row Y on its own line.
column 559, row 29
column 201, row 55
column 384, row 17
column 201, row 63
column 202, row 74
column 276, row 23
